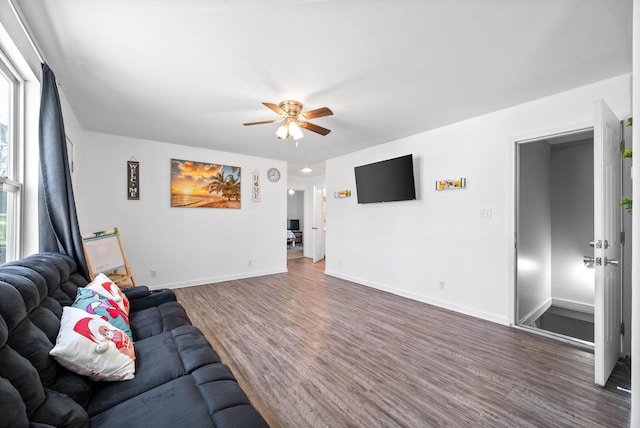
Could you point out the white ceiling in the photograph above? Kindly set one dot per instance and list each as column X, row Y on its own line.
column 192, row 71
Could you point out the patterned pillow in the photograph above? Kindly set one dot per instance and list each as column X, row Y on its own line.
column 103, row 285
column 90, row 346
column 96, row 304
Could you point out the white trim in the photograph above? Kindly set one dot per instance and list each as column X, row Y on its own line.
column 556, row 336
column 635, row 225
column 536, row 312
column 516, row 141
column 573, row 305
column 17, row 13
column 424, row 299
column 216, row 279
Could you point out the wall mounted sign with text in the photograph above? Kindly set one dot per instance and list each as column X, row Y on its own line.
column 255, row 191
column 133, row 180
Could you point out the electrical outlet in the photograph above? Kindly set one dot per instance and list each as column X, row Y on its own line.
column 154, row 273
column 249, row 263
column 485, row 214
column 442, row 284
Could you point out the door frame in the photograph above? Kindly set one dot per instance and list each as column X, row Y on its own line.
column 514, row 145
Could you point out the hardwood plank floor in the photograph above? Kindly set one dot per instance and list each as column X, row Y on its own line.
column 312, row 350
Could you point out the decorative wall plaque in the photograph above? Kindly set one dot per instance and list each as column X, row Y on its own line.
column 255, row 189
column 133, row 180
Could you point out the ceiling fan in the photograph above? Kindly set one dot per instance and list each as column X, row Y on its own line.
column 295, row 119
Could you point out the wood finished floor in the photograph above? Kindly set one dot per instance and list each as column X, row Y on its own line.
column 311, row 350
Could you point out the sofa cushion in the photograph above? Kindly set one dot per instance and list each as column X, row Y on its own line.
column 60, row 411
column 12, row 408
column 158, row 319
column 55, row 269
column 159, row 359
column 143, row 298
column 90, row 346
column 37, row 403
column 33, row 344
column 96, row 304
column 205, row 398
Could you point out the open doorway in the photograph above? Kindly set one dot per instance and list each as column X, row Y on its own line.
column 295, row 224
column 557, row 176
column 555, row 276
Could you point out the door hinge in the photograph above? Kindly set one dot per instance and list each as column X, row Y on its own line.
column 622, row 328
column 622, row 237
column 622, row 146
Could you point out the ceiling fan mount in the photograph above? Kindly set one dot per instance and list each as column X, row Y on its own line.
column 291, row 107
column 291, row 112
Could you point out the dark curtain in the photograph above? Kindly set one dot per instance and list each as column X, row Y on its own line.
column 57, row 218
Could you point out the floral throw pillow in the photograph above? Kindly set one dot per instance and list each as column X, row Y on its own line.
column 103, row 285
column 90, row 346
column 96, row 304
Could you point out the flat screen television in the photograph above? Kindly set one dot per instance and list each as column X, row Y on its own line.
column 293, row 224
column 386, row 181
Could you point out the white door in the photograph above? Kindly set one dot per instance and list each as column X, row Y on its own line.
column 607, row 193
column 317, row 229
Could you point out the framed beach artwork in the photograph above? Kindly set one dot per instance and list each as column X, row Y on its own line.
column 204, row 185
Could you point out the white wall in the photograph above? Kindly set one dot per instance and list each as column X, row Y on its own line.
column 437, row 249
column 186, row 246
column 534, row 265
column 572, row 225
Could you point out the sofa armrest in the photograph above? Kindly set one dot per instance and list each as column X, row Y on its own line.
column 136, row 292
column 145, row 298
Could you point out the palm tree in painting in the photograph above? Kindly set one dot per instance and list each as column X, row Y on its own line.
column 218, row 183
column 232, row 188
column 225, row 185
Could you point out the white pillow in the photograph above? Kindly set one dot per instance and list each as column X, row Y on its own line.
column 90, row 346
column 103, row 285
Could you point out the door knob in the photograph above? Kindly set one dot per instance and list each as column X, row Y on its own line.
column 588, row 261
column 611, row 262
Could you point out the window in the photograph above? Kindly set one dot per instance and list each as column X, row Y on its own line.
column 10, row 186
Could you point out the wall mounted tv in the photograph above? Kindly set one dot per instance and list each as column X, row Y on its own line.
column 386, row 181
column 293, row 224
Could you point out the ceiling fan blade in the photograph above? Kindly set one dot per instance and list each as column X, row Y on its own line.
column 319, row 112
column 262, row 122
column 275, row 108
column 314, row 128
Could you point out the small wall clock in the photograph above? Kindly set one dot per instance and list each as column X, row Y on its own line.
column 273, row 174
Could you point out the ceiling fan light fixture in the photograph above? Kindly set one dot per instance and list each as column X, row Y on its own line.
column 295, row 119
column 282, row 132
column 295, row 131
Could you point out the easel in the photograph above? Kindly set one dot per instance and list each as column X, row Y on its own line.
column 104, row 254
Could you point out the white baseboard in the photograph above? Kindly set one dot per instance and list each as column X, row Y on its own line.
column 215, row 279
column 425, row 299
column 573, row 305
column 536, row 312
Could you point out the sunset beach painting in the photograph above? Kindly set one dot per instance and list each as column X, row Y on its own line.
column 204, row 185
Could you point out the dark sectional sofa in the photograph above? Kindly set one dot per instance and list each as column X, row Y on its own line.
column 179, row 379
